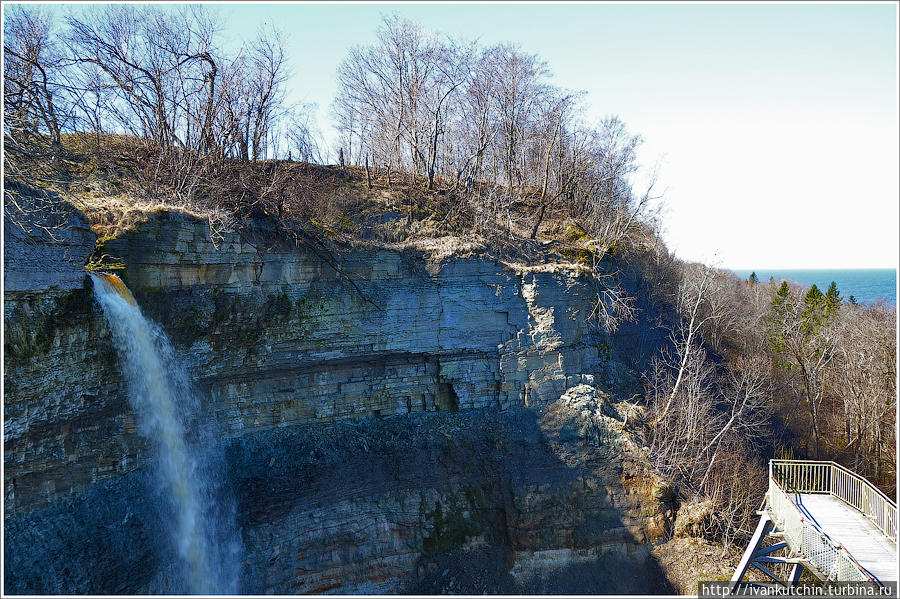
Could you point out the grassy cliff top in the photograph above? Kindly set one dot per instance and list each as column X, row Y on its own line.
column 119, row 182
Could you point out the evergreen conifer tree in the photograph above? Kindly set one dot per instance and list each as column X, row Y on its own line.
column 779, row 313
column 814, row 310
column 814, row 297
column 753, row 278
column 833, row 299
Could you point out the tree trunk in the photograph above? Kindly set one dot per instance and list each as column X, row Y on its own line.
column 540, row 219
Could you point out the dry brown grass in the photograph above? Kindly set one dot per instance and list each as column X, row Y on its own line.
column 687, row 561
column 111, row 216
column 119, row 182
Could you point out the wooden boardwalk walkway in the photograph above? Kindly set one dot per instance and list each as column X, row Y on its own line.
column 830, row 522
column 858, row 534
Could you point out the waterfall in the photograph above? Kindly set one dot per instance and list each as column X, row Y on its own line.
column 203, row 530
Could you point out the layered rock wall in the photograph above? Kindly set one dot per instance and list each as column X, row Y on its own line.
column 45, row 242
column 379, row 412
column 285, row 328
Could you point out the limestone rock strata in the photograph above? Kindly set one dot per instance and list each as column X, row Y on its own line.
column 67, row 423
column 500, row 500
column 390, row 427
column 513, row 501
column 278, row 336
column 45, row 244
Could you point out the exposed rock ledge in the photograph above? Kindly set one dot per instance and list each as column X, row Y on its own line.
column 324, row 398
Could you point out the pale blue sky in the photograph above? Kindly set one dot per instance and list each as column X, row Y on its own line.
column 776, row 123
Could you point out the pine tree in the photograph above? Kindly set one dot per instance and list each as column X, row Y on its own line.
column 814, row 310
column 814, row 297
column 779, row 313
column 753, row 278
column 833, row 299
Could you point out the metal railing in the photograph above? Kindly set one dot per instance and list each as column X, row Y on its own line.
column 801, row 476
column 858, row 493
column 807, row 539
column 808, row 476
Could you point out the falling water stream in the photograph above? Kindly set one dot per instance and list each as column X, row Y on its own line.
column 203, row 529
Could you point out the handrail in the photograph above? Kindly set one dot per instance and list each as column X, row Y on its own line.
column 808, row 539
column 858, row 493
column 810, row 476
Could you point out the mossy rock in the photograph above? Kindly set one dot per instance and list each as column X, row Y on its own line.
column 577, row 255
column 32, row 325
column 575, row 233
column 457, row 519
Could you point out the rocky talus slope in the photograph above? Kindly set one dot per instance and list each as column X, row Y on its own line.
column 403, row 425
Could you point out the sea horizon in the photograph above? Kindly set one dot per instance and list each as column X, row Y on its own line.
column 866, row 285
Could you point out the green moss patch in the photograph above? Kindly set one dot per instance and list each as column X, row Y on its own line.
column 458, row 518
column 32, row 323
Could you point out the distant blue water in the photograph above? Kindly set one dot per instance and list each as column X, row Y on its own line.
column 866, row 285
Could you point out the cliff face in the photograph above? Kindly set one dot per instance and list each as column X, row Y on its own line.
column 397, row 425
column 508, row 501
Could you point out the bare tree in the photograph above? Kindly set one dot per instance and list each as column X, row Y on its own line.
column 746, row 394
column 805, row 342
column 449, row 74
column 696, row 309
column 476, row 119
column 302, row 137
column 30, row 61
column 709, row 418
column 371, row 92
column 734, row 487
column 267, row 73
column 519, row 84
column 34, row 118
column 865, row 385
column 159, row 64
column 684, row 421
column 610, row 209
column 555, row 116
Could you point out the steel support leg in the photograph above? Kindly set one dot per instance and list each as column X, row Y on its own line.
column 796, row 572
column 762, row 529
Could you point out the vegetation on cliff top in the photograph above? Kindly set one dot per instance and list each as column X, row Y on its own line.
column 202, row 127
column 209, row 132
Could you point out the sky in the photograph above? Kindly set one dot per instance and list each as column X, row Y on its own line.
column 775, row 125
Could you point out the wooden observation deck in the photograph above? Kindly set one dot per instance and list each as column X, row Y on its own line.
column 832, row 522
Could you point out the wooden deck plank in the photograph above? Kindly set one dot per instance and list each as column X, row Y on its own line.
column 859, row 535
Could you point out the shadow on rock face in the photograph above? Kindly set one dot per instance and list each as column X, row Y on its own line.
column 464, row 572
column 471, row 502
column 518, row 501
column 609, row 574
column 485, row 570
column 105, row 540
